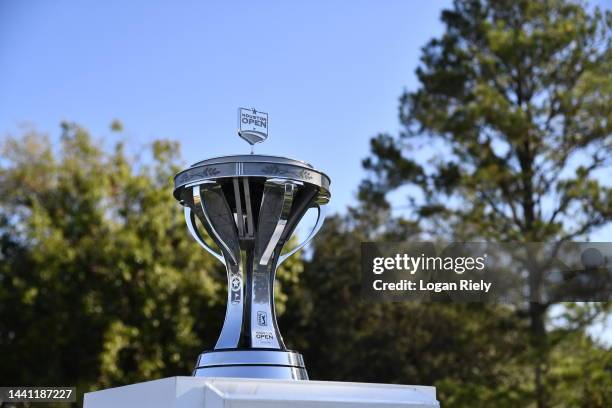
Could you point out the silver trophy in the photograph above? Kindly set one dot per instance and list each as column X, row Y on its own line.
column 249, row 206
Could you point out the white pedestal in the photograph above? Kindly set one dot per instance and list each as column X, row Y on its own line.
column 197, row 392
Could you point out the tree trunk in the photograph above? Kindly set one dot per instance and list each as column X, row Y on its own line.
column 539, row 345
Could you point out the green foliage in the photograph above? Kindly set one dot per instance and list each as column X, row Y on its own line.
column 454, row 347
column 508, row 138
column 514, row 116
column 100, row 283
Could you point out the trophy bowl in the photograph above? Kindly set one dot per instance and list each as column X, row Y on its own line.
column 250, row 205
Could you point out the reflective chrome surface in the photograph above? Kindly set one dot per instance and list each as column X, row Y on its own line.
column 253, row 165
column 246, row 357
column 250, row 205
column 251, row 364
column 256, row 371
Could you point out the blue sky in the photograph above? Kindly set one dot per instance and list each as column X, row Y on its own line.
column 329, row 73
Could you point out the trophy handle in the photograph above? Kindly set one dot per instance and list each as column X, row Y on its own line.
column 321, row 211
column 191, row 225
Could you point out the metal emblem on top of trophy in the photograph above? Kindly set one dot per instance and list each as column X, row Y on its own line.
column 253, row 126
column 249, row 205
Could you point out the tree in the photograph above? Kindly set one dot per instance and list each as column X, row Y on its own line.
column 100, row 282
column 508, row 135
column 464, row 350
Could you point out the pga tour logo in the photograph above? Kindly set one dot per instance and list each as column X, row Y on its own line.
column 262, row 318
column 253, row 125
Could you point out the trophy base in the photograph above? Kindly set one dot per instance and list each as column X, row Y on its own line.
column 251, row 363
column 193, row 392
